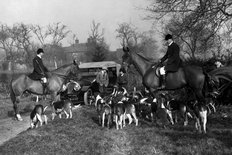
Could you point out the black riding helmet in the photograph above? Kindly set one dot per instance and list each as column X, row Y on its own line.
column 40, row 50
column 168, row 36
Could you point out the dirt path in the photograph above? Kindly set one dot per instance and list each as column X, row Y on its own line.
column 10, row 128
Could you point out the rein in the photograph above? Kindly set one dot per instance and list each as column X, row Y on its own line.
column 60, row 75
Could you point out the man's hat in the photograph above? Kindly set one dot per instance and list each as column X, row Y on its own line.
column 168, row 36
column 40, row 50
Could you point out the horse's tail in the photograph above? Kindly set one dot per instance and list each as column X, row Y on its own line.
column 12, row 93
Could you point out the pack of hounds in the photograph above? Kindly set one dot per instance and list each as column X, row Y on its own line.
column 38, row 116
column 121, row 107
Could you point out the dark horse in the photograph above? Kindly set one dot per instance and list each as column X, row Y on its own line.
column 23, row 83
column 191, row 76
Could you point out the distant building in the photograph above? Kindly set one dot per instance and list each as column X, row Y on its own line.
column 80, row 51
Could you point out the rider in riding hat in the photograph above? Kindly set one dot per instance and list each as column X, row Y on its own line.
column 173, row 59
column 40, row 71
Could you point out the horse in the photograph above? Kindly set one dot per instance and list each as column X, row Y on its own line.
column 191, row 77
column 23, row 83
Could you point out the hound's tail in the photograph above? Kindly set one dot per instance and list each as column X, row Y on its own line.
column 45, row 108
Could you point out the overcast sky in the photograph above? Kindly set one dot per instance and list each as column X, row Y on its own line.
column 77, row 15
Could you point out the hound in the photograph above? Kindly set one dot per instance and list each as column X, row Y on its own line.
column 63, row 106
column 37, row 116
column 122, row 110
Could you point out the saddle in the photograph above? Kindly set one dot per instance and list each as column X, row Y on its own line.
column 171, row 79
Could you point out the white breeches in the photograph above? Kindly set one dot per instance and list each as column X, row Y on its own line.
column 44, row 79
column 162, row 71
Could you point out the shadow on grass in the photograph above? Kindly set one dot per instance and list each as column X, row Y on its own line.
column 219, row 133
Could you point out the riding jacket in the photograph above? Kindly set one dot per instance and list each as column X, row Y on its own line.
column 174, row 61
column 39, row 69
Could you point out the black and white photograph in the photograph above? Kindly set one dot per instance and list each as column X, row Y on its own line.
column 116, row 77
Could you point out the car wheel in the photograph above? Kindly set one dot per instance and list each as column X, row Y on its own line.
column 89, row 97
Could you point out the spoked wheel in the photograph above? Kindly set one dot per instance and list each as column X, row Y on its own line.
column 89, row 97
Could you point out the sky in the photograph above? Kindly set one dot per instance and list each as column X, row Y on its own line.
column 78, row 15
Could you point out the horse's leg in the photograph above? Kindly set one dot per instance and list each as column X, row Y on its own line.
column 15, row 100
column 16, row 110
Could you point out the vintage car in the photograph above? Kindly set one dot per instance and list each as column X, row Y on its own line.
column 88, row 86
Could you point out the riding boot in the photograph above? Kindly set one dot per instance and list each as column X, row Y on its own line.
column 44, row 88
column 163, row 81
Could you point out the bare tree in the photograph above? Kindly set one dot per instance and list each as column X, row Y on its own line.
column 127, row 34
column 6, row 41
column 41, row 34
column 22, row 34
column 204, row 8
column 58, row 32
column 197, row 39
column 195, row 22
column 148, row 45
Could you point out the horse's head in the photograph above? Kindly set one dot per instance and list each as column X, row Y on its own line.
column 126, row 58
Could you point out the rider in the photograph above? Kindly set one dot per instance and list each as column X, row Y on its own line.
column 40, row 71
column 122, row 79
column 173, row 59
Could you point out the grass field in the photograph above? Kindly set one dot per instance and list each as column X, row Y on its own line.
column 83, row 135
